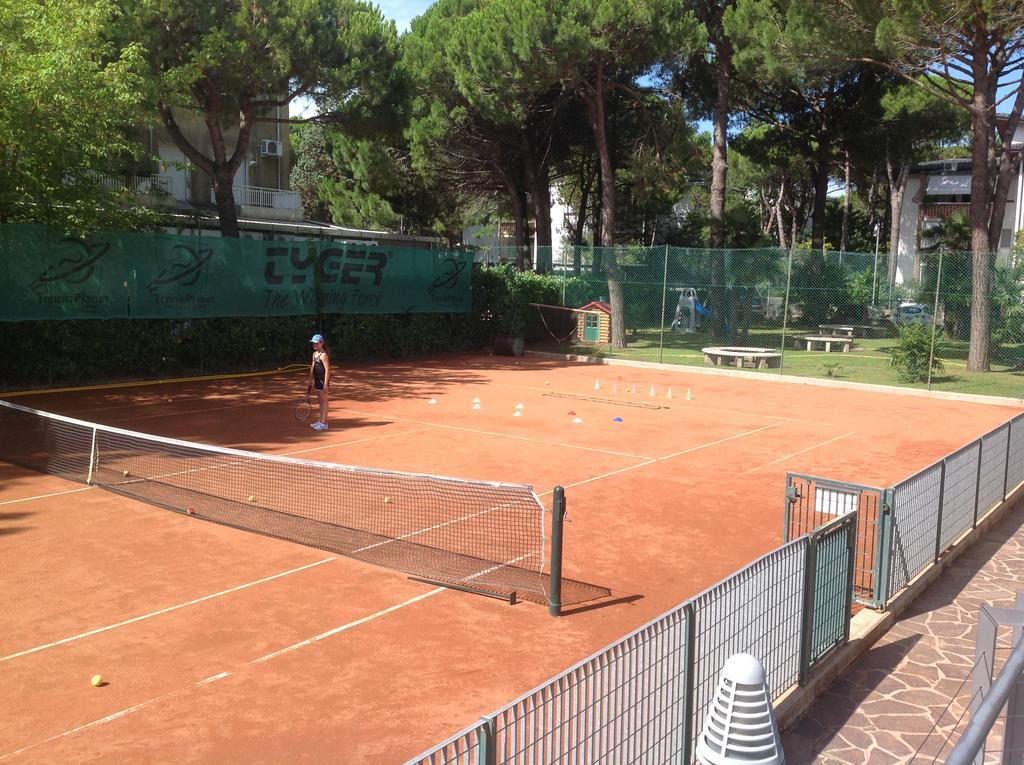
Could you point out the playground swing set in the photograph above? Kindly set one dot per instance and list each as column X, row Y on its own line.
column 688, row 308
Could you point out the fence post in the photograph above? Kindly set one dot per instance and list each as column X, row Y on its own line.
column 935, row 318
column 938, row 523
column 557, row 522
column 664, row 296
column 977, row 483
column 807, row 609
column 785, row 306
column 486, row 754
column 884, row 538
column 1006, row 470
column 851, row 562
column 690, row 652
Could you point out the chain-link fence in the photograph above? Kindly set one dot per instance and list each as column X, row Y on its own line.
column 847, row 315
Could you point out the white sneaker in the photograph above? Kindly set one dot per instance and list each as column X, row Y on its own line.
column 323, row 426
column 317, row 426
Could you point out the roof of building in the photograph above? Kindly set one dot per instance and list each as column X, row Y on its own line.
column 934, row 166
column 597, row 305
column 310, row 228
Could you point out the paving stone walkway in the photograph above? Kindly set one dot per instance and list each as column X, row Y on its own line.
column 901, row 700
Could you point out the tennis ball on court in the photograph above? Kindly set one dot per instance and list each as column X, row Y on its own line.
column 252, row 498
column 97, row 681
column 387, row 500
column 126, row 473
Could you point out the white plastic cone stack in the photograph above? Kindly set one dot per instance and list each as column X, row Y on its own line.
column 597, row 385
column 740, row 726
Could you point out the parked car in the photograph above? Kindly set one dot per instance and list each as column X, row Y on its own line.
column 911, row 312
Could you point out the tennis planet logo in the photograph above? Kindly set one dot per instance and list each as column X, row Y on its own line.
column 75, row 265
column 172, row 284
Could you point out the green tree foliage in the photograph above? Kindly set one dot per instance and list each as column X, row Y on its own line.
column 66, row 98
column 972, row 50
column 231, row 63
column 913, row 350
column 598, row 47
column 312, row 167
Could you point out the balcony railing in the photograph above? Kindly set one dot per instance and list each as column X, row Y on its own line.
column 140, row 184
column 257, row 196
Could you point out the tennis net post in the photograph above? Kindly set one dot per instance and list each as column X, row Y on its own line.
column 557, row 521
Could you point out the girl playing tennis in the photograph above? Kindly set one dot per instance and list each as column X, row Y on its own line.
column 320, row 378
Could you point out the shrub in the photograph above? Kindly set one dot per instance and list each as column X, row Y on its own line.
column 913, row 349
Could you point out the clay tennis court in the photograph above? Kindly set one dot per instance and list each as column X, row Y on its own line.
column 220, row 645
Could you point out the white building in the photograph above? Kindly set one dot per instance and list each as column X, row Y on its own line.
column 939, row 189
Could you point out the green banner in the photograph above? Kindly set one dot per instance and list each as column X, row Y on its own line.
column 136, row 275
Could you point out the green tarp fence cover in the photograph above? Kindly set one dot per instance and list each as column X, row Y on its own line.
column 44, row 275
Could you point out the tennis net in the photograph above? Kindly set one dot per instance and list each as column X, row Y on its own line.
column 484, row 535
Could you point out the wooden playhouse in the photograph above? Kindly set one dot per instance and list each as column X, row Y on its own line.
column 594, row 326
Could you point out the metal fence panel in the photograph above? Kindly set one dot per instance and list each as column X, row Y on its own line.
column 915, row 515
column 813, row 502
column 757, row 610
column 464, row 748
column 959, row 493
column 830, row 616
column 993, row 468
column 625, row 704
column 1015, row 462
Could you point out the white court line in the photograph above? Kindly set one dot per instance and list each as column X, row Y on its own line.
column 166, row 610
column 668, row 456
column 356, row 441
column 350, row 625
column 499, row 435
column 793, row 454
column 46, row 496
column 221, row 675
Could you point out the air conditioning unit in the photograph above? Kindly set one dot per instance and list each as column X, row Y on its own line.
column 269, row 148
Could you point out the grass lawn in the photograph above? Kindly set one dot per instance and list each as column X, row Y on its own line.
column 868, row 362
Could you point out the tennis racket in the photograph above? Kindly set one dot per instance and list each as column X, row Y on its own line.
column 304, row 408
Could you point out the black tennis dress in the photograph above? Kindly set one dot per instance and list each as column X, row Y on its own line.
column 318, row 371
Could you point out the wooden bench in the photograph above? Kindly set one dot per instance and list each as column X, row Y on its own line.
column 841, row 342
column 751, row 358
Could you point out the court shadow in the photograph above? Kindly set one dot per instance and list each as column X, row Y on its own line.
column 825, row 719
column 626, row 599
column 14, row 516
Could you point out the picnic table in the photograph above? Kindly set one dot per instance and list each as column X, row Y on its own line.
column 845, row 330
column 754, row 358
column 827, row 341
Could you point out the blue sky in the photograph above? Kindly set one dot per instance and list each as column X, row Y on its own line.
column 403, row 11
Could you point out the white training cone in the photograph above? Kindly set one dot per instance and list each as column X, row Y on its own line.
column 669, row 393
column 597, row 384
column 689, row 395
column 517, row 413
column 520, row 405
column 476, row 401
column 432, row 401
column 576, row 421
column 476, row 406
column 652, row 393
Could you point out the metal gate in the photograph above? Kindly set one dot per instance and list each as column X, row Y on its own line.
column 811, row 502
